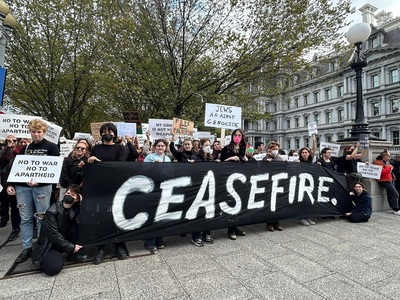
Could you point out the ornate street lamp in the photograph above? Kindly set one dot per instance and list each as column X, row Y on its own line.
column 357, row 35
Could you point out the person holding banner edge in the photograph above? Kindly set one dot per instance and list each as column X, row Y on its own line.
column 109, row 151
column 32, row 196
column 235, row 151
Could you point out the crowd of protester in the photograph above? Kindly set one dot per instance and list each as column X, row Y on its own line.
column 57, row 217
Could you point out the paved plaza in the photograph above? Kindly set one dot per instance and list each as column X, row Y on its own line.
column 333, row 259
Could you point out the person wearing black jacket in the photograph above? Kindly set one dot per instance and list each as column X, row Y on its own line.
column 59, row 233
column 362, row 204
column 71, row 172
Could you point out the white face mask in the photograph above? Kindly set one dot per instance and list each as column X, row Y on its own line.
column 274, row 152
column 207, row 149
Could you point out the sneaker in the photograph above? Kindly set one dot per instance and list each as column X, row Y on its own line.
column 207, row 238
column 239, row 232
column 160, row 246
column 76, row 257
column 150, row 248
column 397, row 213
column 13, row 235
column 310, row 221
column 99, row 257
column 197, row 242
column 24, row 255
column 120, row 251
column 304, row 222
column 232, row 235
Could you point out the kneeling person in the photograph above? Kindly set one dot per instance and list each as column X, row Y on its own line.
column 59, row 233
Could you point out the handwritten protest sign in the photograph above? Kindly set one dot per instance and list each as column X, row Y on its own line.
column 312, row 128
column 16, row 125
column 334, row 147
column 95, row 129
column 126, row 129
column 160, row 128
column 65, row 149
column 131, row 117
column 369, row 170
column 223, row 116
column 364, row 141
column 82, row 135
column 182, row 128
column 39, row 169
column 53, row 132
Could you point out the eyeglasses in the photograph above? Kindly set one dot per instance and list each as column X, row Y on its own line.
column 12, row 141
column 80, row 148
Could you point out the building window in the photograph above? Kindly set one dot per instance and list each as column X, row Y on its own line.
column 297, row 143
column 393, row 75
column 316, row 97
column 306, row 140
column 296, row 122
column 395, row 138
column 374, row 42
column 296, row 102
column 340, row 115
column 288, row 123
column 328, row 139
column 340, row 136
column 394, row 104
column 266, row 126
column 328, row 117
column 276, row 125
column 305, row 121
column 316, row 119
column 328, row 94
column 375, row 109
column 340, row 91
column 305, row 99
column 374, row 80
column 376, row 134
column 332, row 66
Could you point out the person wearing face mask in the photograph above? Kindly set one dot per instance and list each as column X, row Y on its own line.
column 235, row 151
column 108, row 150
column 59, row 234
column 347, row 163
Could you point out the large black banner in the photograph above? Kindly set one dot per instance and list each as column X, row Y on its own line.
column 125, row 201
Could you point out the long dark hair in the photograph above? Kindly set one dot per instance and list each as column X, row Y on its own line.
column 242, row 144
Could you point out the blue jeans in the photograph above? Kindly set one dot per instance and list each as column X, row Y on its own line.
column 392, row 194
column 31, row 200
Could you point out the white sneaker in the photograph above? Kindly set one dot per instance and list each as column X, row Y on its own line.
column 304, row 222
column 311, row 222
column 397, row 213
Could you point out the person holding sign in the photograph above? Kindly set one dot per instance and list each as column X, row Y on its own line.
column 347, row 164
column 108, row 150
column 235, row 151
column 387, row 180
column 32, row 196
column 362, row 204
column 59, row 234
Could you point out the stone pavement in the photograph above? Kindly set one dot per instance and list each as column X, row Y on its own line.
column 333, row 259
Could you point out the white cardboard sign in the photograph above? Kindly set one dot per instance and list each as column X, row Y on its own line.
column 369, row 170
column 223, row 116
column 160, row 128
column 39, row 169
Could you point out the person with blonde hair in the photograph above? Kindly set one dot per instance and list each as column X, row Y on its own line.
column 32, row 196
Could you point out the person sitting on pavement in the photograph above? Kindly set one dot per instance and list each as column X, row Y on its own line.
column 59, row 234
column 362, row 204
